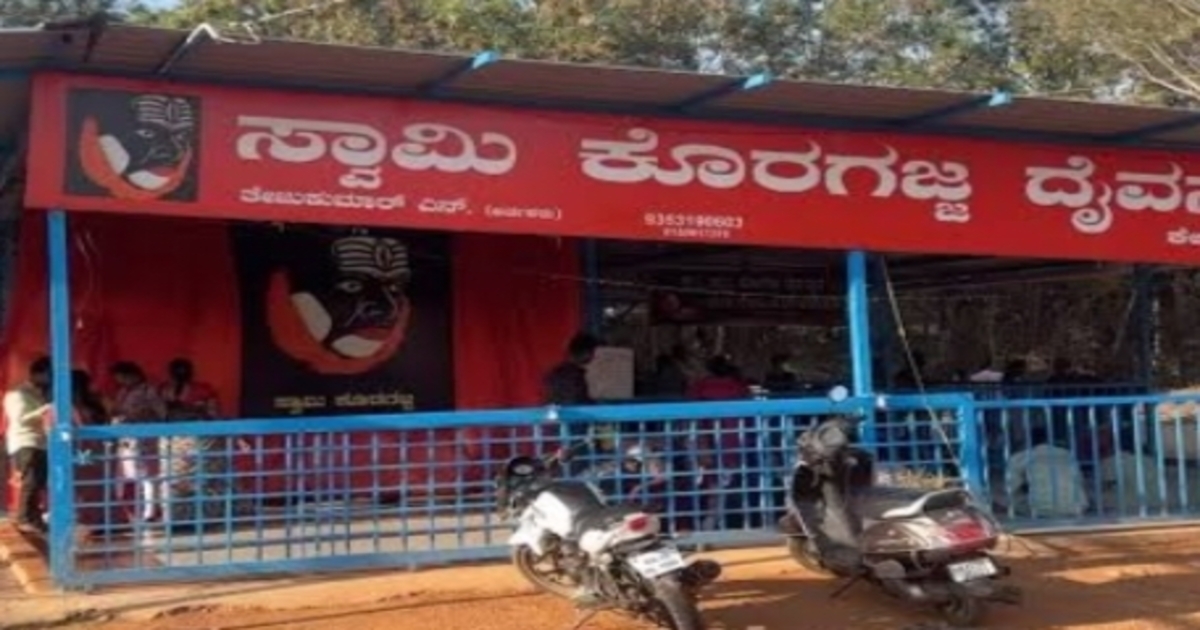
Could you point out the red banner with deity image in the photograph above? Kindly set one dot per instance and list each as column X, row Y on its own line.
column 203, row 151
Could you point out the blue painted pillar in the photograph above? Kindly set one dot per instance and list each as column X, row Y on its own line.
column 593, row 306
column 1145, row 324
column 858, row 305
column 61, row 438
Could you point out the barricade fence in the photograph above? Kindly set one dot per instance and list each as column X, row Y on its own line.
column 275, row 496
column 1091, row 461
column 284, row 495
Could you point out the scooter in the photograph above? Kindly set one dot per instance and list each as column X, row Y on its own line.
column 569, row 543
column 929, row 548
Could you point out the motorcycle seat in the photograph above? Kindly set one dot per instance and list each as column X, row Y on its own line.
column 893, row 504
column 601, row 518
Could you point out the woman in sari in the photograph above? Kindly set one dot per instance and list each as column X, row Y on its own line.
column 198, row 489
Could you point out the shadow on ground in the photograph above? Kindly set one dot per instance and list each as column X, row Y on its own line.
column 1073, row 590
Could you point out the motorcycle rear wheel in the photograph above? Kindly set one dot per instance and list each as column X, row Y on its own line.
column 555, row 582
column 962, row 611
column 803, row 553
column 675, row 607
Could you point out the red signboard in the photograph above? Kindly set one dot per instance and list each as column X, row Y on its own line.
column 200, row 151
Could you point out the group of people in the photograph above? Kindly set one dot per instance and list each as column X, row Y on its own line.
column 1042, row 473
column 134, row 399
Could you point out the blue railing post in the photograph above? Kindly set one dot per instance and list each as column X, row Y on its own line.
column 593, row 307
column 972, row 451
column 60, row 444
column 858, row 304
column 884, row 330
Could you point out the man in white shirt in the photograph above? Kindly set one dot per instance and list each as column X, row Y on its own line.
column 1048, row 477
column 25, row 409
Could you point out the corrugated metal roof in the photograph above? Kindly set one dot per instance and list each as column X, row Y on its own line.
column 1075, row 117
column 138, row 51
column 833, row 99
column 560, row 82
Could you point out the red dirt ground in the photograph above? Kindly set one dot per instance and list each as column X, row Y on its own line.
column 1146, row 581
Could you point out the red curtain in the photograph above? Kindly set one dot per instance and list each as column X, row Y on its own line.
column 150, row 289
column 517, row 302
column 142, row 289
column 516, row 305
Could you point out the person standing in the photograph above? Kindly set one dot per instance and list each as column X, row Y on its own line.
column 722, row 446
column 566, row 385
column 185, row 396
column 25, row 413
column 199, row 488
column 138, row 402
column 780, row 379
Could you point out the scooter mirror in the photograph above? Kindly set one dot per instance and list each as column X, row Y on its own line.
column 839, row 394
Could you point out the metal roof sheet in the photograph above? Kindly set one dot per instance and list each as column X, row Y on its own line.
column 327, row 65
column 1079, row 117
column 140, row 51
column 559, row 82
column 825, row 99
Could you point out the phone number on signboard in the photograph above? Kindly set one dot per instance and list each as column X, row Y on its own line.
column 703, row 221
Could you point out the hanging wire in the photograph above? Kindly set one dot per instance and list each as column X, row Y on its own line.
column 911, row 361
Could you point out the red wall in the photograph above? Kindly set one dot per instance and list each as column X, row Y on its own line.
column 150, row 289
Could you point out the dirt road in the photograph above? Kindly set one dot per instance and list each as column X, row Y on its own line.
column 1146, row 581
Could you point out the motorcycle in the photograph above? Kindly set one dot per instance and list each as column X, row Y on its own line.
column 603, row 557
column 930, row 548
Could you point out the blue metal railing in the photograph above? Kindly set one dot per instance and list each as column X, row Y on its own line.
column 322, row 494
column 1084, row 461
column 311, row 494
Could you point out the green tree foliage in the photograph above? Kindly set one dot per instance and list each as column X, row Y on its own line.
column 28, row 13
column 1156, row 43
column 969, row 44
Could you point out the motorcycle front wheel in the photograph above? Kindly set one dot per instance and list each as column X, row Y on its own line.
column 551, row 579
column 675, row 608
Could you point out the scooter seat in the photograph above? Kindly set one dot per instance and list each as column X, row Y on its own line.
column 601, row 519
column 892, row 504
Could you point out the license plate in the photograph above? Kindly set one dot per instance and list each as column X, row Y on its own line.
column 972, row 570
column 657, row 562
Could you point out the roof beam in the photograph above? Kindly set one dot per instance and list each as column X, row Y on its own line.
column 439, row 84
column 743, row 84
column 199, row 35
column 999, row 98
column 1137, row 135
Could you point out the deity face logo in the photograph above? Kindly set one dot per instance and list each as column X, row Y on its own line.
column 348, row 315
column 136, row 147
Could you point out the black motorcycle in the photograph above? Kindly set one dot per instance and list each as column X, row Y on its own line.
column 930, row 548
